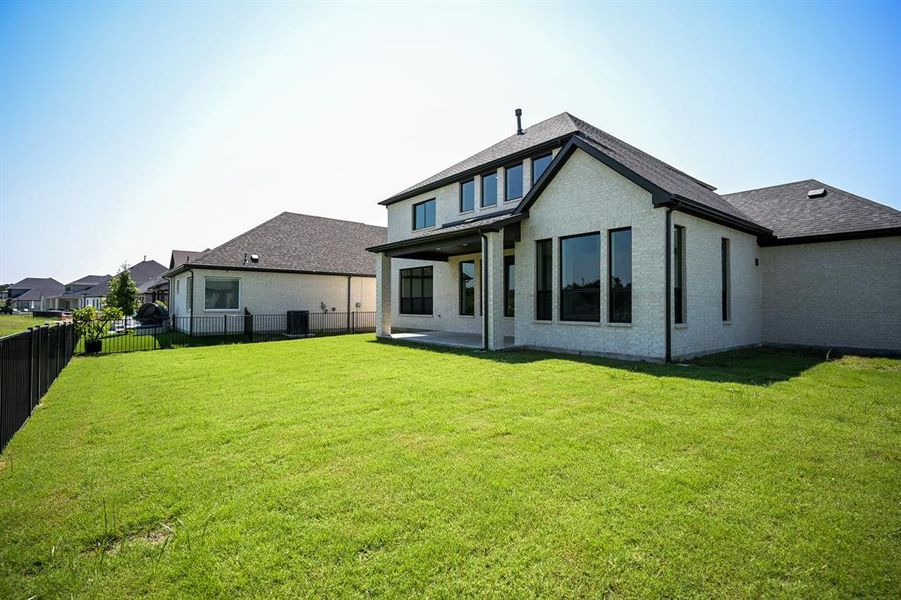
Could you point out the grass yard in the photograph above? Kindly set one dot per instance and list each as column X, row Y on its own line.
column 10, row 324
column 346, row 467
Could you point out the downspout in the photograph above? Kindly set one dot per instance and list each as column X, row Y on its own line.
column 348, row 302
column 484, row 290
column 669, row 284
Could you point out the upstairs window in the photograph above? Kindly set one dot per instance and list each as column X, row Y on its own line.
column 679, row 274
column 539, row 165
column 489, row 189
column 620, row 267
column 543, row 279
column 513, row 182
column 424, row 214
column 416, row 291
column 726, row 262
column 580, row 278
column 467, row 195
column 468, row 288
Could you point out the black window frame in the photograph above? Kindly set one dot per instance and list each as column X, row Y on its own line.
column 507, row 197
column 433, row 201
column 482, row 188
column 680, row 273
column 614, row 295
column 461, row 289
column 425, row 302
column 509, row 292
column 549, row 155
column 544, row 299
column 563, row 293
column 726, row 278
column 473, row 207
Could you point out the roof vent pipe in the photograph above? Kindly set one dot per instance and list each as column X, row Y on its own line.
column 518, row 121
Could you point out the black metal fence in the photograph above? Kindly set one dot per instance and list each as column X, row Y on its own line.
column 128, row 335
column 29, row 363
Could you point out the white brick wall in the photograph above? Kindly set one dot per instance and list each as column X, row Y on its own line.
column 277, row 293
column 587, row 196
column 835, row 294
column 704, row 331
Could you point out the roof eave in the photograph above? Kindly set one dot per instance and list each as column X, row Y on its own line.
column 439, row 236
column 196, row 266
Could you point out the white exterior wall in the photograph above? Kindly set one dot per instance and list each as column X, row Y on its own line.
column 704, row 330
column 178, row 295
column 844, row 294
column 587, row 196
column 276, row 293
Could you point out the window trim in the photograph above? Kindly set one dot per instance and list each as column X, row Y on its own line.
column 550, row 290
column 207, row 278
column 400, row 296
column 482, row 189
column 610, row 320
column 600, row 274
column 507, row 181
column 415, row 228
column 509, row 260
column 460, row 203
column 460, row 288
column 548, row 154
column 680, row 273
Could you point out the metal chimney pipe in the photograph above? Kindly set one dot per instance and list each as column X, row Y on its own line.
column 518, row 121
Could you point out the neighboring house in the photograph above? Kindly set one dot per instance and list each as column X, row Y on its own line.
column 142, row 273
column 74, row 295
column 564, row 237
column 290, row 262
column 157, row 289
column 35, row 293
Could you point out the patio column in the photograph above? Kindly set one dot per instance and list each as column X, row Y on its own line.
column 493, row 269
column 383, row 295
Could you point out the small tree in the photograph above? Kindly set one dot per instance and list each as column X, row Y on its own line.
column 91, row 324
column 123, row 293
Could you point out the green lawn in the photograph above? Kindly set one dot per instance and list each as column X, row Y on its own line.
column 10, row 324
column 346, row 467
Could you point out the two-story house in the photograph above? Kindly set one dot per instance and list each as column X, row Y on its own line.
column 564, row 237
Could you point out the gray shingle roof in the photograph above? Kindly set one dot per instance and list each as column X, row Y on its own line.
column 788, row 211
column 87, row 280
column 180, row 257
column 38, row 288
column 146, row 270
column 304, row 243
column 665, row 176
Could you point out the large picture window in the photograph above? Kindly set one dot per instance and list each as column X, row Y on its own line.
column 726, row 260
column 489, row 189
column 679, row 309
column 509, row 285
column 416, row 291
column 467, row 195
column 539, row 165
column 580, row 278
column 468, row 288
column 620, row 267
column 513, row 182
column 424, row 214
column 543, row 279
column 221, row 293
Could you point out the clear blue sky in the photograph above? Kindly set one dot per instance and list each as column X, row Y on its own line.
column 129, row 129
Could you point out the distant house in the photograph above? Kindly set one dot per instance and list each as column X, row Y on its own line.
column 35, row 293
column 290, row 262
column 157, row 289
column 74, row 295
column 82, row 295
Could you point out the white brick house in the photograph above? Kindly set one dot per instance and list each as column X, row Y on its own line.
column 564, row 237
column 290, row 262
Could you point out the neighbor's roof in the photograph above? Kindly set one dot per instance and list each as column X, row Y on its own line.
column 157, row 282
column 38, row 288
column 99, row 290
column 790, row 213
column 180, row 257
column 146, row 270
column 88, row 280
column 301, row 243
